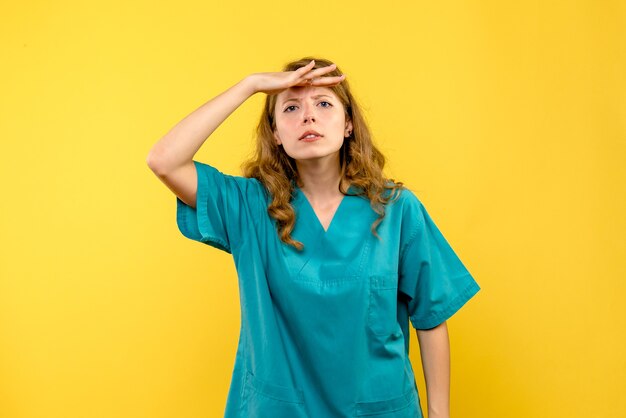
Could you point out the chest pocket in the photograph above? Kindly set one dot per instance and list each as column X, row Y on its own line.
column 382, row 311
column 262, row 399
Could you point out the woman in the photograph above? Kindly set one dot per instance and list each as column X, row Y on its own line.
column 333, row 260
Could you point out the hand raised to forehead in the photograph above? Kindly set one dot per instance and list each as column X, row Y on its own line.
column 275, row 82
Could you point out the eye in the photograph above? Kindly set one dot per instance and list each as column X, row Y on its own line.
column 288, row 107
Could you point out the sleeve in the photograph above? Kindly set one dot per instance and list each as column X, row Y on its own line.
column 221, row 216
column 432, row 275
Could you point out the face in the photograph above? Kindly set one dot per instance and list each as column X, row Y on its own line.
column 310, row 108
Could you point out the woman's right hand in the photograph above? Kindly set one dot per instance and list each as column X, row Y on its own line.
column 275, row 82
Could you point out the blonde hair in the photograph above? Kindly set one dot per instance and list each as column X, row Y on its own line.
column 361, row 163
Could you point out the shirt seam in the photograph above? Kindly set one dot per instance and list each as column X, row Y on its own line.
column 452, row 306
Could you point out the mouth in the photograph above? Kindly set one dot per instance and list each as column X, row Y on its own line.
column 310, row 136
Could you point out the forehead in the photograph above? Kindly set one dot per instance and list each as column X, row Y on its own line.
column 300, row 93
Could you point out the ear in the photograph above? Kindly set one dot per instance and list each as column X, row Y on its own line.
column 348, row 130
column 277, row 138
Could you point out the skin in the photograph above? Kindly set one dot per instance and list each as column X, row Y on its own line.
column 435, row 352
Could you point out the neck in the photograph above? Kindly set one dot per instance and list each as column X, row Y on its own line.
column 320, row 177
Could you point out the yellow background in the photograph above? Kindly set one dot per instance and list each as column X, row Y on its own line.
column 508, row 119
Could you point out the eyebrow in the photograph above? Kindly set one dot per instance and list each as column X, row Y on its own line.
column 315, row 97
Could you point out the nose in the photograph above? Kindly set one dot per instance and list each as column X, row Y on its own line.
column 308, row 113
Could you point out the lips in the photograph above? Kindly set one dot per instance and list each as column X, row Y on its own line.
column 310, row 133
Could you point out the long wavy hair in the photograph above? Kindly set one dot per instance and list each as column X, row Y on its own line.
column 361, row 163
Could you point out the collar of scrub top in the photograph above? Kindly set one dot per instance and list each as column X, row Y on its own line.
column 353, row 190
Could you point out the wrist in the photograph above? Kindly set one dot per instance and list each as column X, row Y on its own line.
column 248, row 85
column 438, row 413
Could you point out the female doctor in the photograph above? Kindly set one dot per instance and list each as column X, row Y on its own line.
column 333, row 259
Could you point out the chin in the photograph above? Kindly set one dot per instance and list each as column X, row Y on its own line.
column 314, row 152
column 313, row 155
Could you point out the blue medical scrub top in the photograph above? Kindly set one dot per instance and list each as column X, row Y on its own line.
column 325, row 332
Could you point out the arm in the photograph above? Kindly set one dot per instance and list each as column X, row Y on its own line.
column 178, row 147
column 435, row 352
column 171, row 158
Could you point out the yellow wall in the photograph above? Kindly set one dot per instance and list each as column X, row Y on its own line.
column 508, row 119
